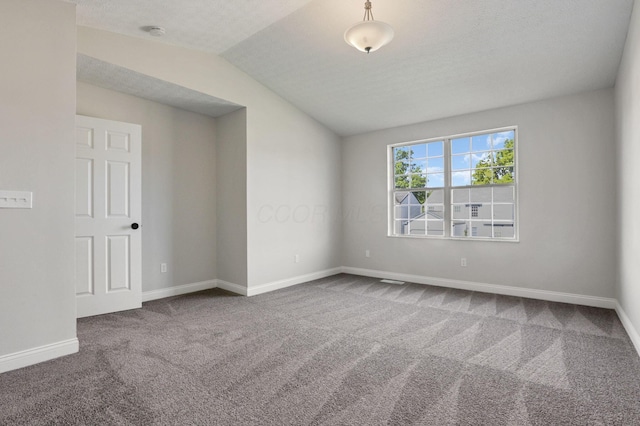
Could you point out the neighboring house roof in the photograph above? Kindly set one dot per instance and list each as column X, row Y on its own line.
column 427, row 215
column 401, row 196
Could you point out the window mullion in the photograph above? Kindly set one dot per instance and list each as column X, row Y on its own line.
column 429, row 160
column 391, row 211
column 447, row 188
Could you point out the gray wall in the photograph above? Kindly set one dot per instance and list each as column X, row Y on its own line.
column 231, row 168
column 628, row 143
column 297, row 178
column 37, row 113
column 291, row 160
column 294, row 175
column 178, row 185
column 566, row 185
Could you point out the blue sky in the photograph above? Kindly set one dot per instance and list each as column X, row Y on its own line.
column 466, row 153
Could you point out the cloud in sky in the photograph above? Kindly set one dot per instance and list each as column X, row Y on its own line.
column 500, row 138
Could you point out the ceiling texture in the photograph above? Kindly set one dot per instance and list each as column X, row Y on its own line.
column 109, row 76
column 448, row 57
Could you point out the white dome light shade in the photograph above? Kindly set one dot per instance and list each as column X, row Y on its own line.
column 369, row 36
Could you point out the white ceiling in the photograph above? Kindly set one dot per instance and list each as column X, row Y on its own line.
column 210, row 25
column 109, row 76
column 449, row 57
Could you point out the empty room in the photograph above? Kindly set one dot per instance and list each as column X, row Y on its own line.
column 319, row 212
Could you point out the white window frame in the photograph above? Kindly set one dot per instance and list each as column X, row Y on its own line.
column 448, row 206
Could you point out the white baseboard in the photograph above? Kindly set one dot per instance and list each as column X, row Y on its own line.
column 277, row 285
column 67, row 347
column 628, row 326
column 233, row 288
column 552, row 296
column 178, row 290
column 36, row 355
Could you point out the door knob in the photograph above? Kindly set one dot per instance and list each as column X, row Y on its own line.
column 135, row 226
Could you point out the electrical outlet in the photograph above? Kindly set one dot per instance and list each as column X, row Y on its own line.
column 296, row 258
column 163, row 268
column 367, row 253
column 463, row 261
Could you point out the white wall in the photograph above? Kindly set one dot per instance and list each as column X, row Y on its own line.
column 627, row 93
column 37, row 113
column 292, row 160
column 566, row 200
column 178, row 185
column 231, row 168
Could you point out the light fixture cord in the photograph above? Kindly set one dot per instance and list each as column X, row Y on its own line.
column 368, row 14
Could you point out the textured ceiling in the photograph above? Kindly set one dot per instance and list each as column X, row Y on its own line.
column 109, row 76
column 448, row 57
column 210, row 25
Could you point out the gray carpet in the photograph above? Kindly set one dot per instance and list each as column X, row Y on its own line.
column 342, row 350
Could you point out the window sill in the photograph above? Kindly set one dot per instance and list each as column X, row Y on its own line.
column 425, row 237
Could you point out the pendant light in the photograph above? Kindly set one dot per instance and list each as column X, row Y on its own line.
column 368, row 35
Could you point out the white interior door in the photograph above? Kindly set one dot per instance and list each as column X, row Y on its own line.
column 108, row 213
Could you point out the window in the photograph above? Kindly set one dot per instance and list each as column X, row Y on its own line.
column 462, row 186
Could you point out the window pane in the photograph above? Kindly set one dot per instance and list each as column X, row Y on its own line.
column 503, row 212
column 504, row 230
column 409, row 205
column 401, row 205
column 401, row 182
column 459, row 228
column 436, row 196
column 418, row 198
column 401, row 212
column 435, row 180
column 460, row 211
column 418, row 151
column 481, row 195
column 460, row 162
column 481, row 143
column 435, row 212
column 419, row 166
column 503, row 194
column 459, row 146
column 401, row 227
column 435, row 165
column 461, row 178
column 502, row 174
column 418, row 181
column 401, row 167
column 482, row 159
column 401, row 197
column 436, row 149
column 417, row 227
column 482, row 177
column 460, row 196
column 499, row 139
column 481, row 211
column 435, row 228
column 401, row 153
column 481, row 229
column 504, row 157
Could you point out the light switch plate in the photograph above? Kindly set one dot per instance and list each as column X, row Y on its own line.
column 16, row 200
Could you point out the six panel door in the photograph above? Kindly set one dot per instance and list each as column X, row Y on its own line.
column 108, row 203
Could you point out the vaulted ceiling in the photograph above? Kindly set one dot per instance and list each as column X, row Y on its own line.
column 449, row 57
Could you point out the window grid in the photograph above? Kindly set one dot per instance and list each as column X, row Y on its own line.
column 468, row 225
column 426, row 176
